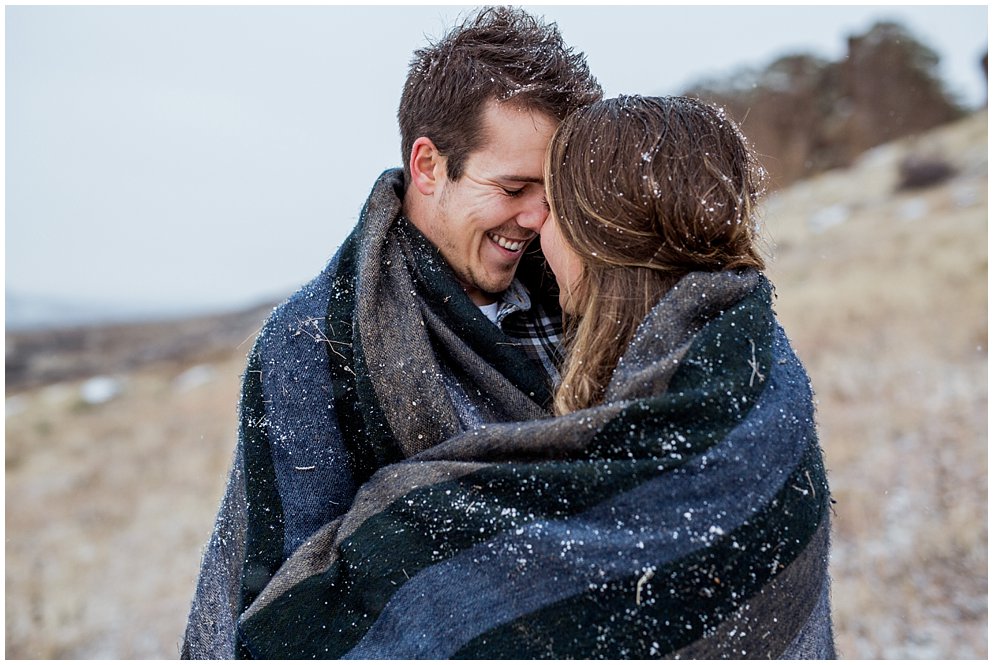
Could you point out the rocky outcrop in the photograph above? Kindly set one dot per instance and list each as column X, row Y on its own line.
column 806, row 115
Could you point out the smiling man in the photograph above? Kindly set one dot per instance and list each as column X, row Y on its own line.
column 435, row 316
column 483, row 221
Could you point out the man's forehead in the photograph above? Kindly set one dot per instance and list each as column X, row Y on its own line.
column 514, row 142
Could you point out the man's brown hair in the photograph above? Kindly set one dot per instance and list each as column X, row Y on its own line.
column 645, row 190
column 502, row 54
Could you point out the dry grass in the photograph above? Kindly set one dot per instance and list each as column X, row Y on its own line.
column 108, row 505
column 107, row 509
column 889, row 311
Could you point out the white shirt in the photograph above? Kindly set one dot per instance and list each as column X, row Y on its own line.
column 490, row 311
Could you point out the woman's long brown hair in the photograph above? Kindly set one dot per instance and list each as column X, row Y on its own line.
column 645, row 190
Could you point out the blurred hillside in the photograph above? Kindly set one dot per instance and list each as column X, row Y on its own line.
column 114, row 469
column 36, row 357
column 806, row 115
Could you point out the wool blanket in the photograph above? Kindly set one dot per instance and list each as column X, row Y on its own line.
column 396, row 317
column 686, row 516
column 379, row 356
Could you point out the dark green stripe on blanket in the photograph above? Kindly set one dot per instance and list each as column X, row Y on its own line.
column 393, row 545
column 264, row 534
column 682, row 600
column 722, row 375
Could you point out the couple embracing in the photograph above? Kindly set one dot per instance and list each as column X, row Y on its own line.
column 538, row 404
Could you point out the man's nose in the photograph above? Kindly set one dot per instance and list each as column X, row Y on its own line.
column 534, row 215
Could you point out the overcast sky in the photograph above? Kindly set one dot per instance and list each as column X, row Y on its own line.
column 217, row 156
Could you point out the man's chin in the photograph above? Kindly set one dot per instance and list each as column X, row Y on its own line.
column 494, row 282
column 495, row 287
column 486, row 291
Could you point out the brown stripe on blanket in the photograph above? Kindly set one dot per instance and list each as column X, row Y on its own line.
column 384, row 294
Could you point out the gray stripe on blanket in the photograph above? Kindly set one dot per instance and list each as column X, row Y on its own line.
column 504, row 401
column 816, row 638
column 443, row 607
column 796, row 614
column 392, row 361
column 527, row 441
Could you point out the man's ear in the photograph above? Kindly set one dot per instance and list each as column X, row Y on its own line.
column 427, row 166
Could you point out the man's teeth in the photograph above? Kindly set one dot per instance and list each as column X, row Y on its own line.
column 512, row 245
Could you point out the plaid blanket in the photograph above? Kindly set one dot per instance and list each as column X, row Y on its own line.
column 687, row 516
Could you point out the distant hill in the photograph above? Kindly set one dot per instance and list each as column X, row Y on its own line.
column 31, row 312
column 24, row 312
column 47, row 353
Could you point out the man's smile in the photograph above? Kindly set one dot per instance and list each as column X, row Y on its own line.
column 508, row 243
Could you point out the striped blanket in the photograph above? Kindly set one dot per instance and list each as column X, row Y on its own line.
column 687, row 516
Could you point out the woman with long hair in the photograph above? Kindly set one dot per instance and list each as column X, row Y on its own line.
column 647, row 191
column 677, row 503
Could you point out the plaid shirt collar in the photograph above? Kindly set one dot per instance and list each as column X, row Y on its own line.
column 515, row 299
column 537, row 329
